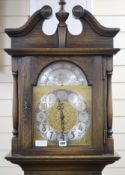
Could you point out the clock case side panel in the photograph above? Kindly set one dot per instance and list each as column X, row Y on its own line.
column 98, row 100
column 107, row 69
column 21, row 103
column 24, row 104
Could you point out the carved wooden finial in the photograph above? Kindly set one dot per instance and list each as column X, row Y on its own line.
column 62, row 15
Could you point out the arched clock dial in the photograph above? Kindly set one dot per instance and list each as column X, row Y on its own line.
column 62, row 73
column 62, row 115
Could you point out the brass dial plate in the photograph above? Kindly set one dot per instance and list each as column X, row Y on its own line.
column 62, row 113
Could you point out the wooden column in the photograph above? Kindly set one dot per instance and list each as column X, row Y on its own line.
column 109, row 142
column 15, row 106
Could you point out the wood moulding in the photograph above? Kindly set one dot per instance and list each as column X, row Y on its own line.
column 82, row 14
column 46, row 12
column 59, row 162
column 40, row 15
column 61, row 51
column 93, row 34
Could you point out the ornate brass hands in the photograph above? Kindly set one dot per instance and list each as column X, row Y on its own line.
column 60, row 107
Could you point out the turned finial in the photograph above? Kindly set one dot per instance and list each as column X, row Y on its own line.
column 62, row 15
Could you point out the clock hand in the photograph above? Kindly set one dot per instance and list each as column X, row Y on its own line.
column 62, row 124
column 60, row 107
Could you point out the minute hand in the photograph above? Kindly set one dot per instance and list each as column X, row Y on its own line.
column 60, row 108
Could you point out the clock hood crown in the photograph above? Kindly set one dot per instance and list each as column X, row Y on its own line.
column 31, row 35
column 31, row 40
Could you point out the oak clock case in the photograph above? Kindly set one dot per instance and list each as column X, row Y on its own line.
column 62, row 102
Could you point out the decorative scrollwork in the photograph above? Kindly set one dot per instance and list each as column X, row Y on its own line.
column 78, row 11
column 46, row 11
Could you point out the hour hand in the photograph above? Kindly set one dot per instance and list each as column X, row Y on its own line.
column 60, row 107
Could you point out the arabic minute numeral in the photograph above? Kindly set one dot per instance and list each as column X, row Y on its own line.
column 51, row 134
column 44, row 128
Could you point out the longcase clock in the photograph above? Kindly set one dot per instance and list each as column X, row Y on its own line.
column 62, row 103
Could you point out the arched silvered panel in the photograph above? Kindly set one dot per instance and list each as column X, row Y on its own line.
column 62, row 73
